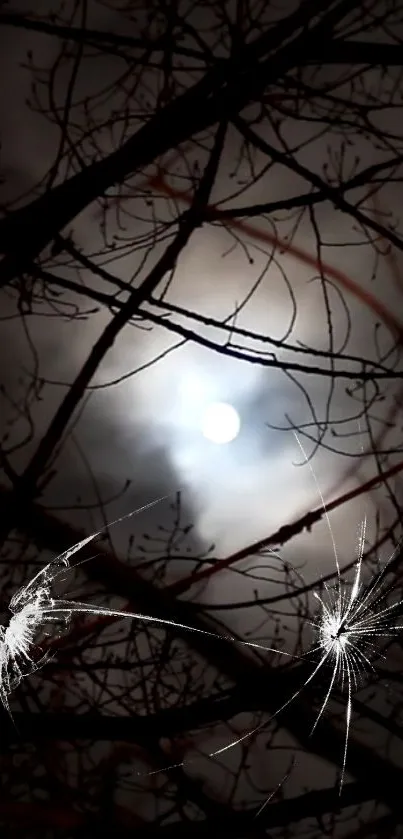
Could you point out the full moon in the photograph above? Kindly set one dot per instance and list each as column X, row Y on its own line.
column 221, row 423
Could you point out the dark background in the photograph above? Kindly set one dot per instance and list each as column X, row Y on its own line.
column 199, row 203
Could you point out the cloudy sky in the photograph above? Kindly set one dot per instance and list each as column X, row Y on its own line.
column 147, row 427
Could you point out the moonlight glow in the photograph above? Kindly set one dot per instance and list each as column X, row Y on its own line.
column 221, row 423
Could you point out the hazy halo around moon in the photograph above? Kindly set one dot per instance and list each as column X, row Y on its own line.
column 220, row 423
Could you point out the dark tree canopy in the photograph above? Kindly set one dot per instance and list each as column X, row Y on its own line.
column 200, row 200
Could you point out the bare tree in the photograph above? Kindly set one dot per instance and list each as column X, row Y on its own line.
column 278, row 132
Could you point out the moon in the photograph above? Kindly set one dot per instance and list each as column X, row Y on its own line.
column 221, row 423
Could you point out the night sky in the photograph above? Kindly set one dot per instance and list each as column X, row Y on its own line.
column 201, row 204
